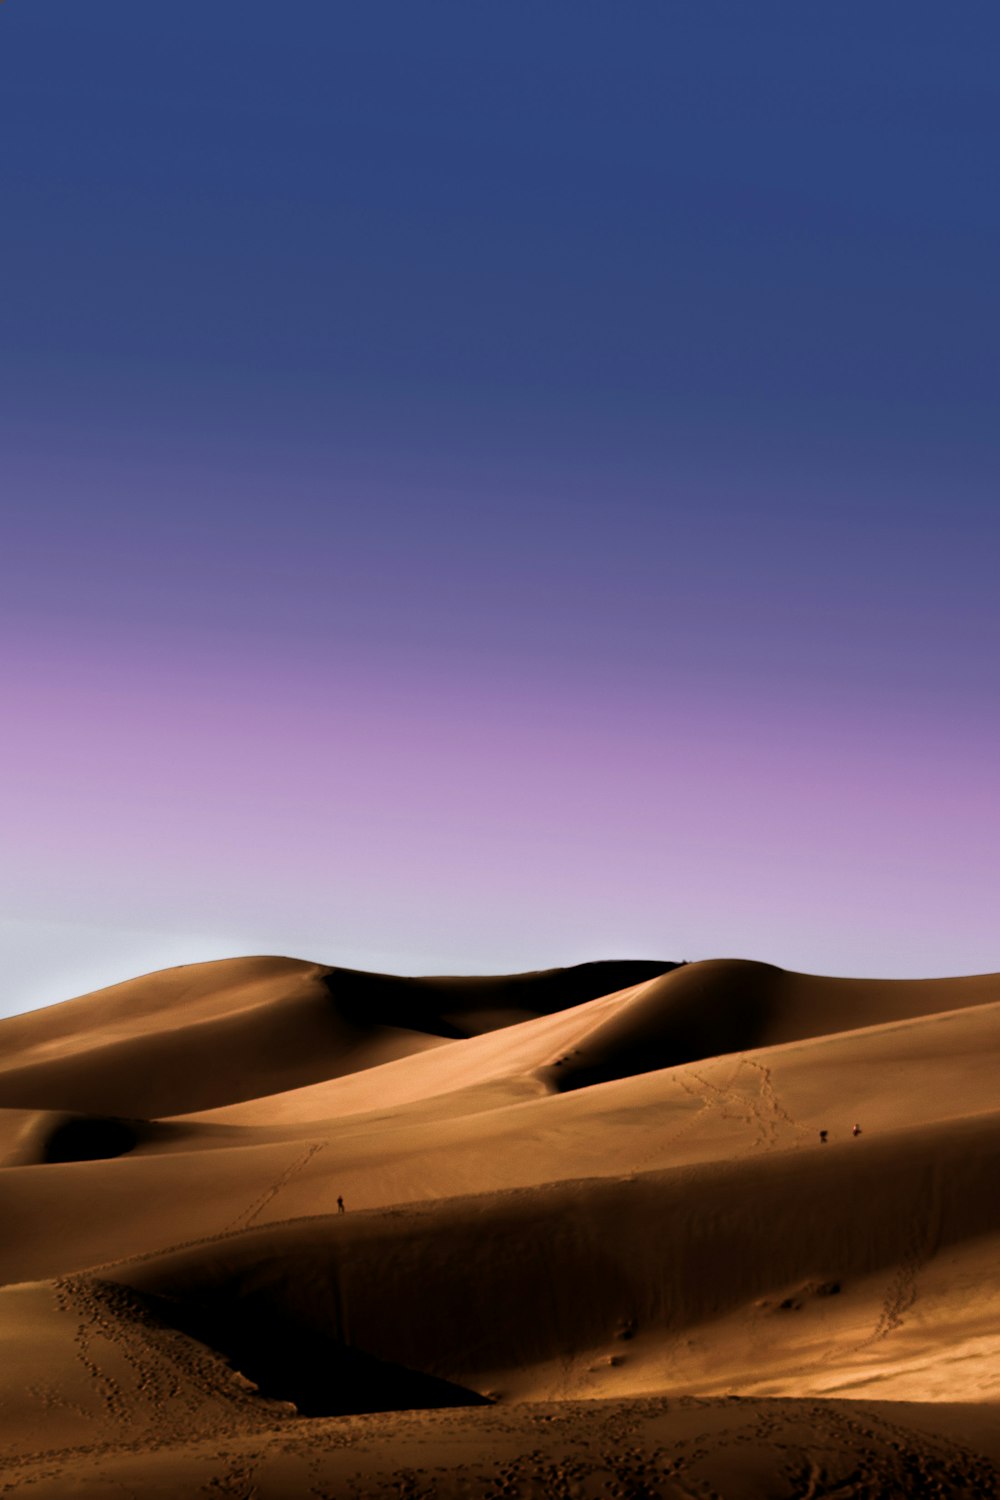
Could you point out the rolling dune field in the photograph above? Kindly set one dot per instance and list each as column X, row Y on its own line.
column 271, row 1228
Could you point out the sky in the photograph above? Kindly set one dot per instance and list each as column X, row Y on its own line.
column 493, row 486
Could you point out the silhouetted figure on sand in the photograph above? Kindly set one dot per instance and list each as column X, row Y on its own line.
column 340, row 1205
column 855, row 1129
column 822, row 1136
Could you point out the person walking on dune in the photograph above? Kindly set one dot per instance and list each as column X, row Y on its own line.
column 340, row 1205
column 855, row 1129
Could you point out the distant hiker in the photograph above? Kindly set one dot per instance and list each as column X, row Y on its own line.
column 340, row 1205
column 855, row 1129
column 822, row 1136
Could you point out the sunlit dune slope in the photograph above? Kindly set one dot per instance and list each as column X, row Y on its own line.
column 207, row 1034
column 696, row 1011
column 410, row 1131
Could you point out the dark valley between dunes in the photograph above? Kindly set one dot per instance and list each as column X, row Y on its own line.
column 628, row 1229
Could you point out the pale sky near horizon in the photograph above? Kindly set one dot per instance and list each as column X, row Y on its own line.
column 492, row 487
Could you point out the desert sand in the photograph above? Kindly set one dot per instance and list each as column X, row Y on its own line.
column 592, row 1243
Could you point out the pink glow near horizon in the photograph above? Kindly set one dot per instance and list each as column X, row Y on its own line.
column 364, row 813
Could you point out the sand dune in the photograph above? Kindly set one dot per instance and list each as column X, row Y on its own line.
column 208, row 1034
column 583, row 1201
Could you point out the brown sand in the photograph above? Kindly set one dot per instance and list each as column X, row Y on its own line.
column 593, row 1243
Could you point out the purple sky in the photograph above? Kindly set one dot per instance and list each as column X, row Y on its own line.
column 476, row 498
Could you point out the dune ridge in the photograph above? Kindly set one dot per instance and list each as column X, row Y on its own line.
column 595, row 1195
column 204, row 1035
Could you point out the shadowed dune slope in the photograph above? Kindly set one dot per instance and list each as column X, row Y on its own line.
column 731, row 1005
column 204, row 1035
column 40, row 1137
column 455, row 1006
column 503, row 1288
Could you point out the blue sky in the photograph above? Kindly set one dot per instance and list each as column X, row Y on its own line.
column 454, row 404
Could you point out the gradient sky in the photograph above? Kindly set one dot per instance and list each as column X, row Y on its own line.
column 490, row 486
